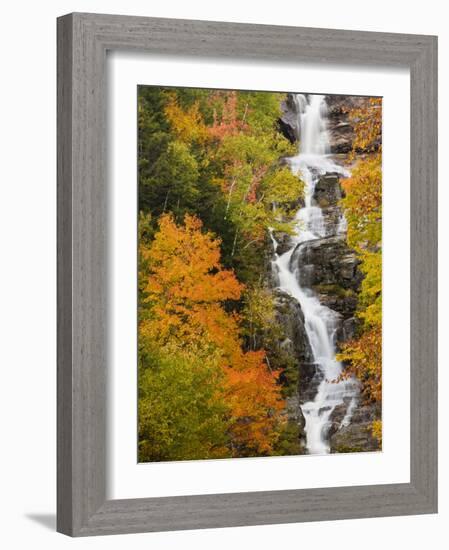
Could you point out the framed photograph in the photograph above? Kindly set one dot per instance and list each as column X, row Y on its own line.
column 247, row 274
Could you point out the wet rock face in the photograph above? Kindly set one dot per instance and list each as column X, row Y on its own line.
column 357, row 435
column 339, row 125
column 331, row 269
column 295, row 412
column 332, row 220
column 328, row 264
column 284, row 242
column 290, row 316
column 296, row 343
column 327, row 195
column 288, row 122
column 348, row 329
column 353, row 434
column 310, row 377
column 328, row 191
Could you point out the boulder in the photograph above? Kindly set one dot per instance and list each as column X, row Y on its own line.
column 288, row 121
column 295, row 413
column 331, row 270
column 329, row 264
column 344, row 302
column 339, row 126
column 332, row 216
column 342, row 136
column 348, row 329
column 328, row 191
column 310, row 377
column 284, row 242
column 336, row 418
column 357, row 436
column 290, row 316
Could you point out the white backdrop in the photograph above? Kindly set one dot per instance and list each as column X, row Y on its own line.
column 131, row 480
column 28, row 321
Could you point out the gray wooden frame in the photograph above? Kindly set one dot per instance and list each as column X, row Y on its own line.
column 83, row 40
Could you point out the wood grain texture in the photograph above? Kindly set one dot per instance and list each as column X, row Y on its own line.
column 83, row 40
column 423, row 274
column 64, row 277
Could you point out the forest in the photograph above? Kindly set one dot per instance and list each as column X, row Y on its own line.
column 216, row 378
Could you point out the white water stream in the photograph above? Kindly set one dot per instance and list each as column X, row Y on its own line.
column 321, row 323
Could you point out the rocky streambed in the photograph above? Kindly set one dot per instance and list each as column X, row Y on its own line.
column 330, row 269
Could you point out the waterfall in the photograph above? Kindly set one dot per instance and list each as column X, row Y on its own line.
column 321, row 323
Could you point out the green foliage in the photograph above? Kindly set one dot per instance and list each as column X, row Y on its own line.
column 145, row 228
column 333, row 290
column 258, row 313
column 363, row 209
column 261, row 109
column 282, row 188
column 215, row 154
column 289, row 442
column 348, row 449
column 184, row 325
column 154, row 134
column 364, row 357
column 262, row 331
column 173, row 184
column 210, row 368
column 181, row 414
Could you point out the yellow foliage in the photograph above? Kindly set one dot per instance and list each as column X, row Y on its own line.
column 187, row 124
column 184, row 291
column 376, row 430
column 367, row 121
column 363, row 203
column 364, row 358
column 363, row 210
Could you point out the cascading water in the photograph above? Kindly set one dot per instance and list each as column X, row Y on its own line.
column 321, row 323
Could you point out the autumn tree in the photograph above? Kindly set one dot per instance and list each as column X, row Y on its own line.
column 233, row 138
column 253, row 181
column 214, row 156
column 173, row 168
column 363, row 210
column 183, row 314
column 182, row 413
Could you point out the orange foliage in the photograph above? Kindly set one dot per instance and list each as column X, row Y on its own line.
column 363, row 209
column 363, row 203
column 227, row 123
column 186, row 287
column 187, row 284
column 366, row 185
column 367, row 122
column 255, row 402
column 365, row 361
column 260, row 172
